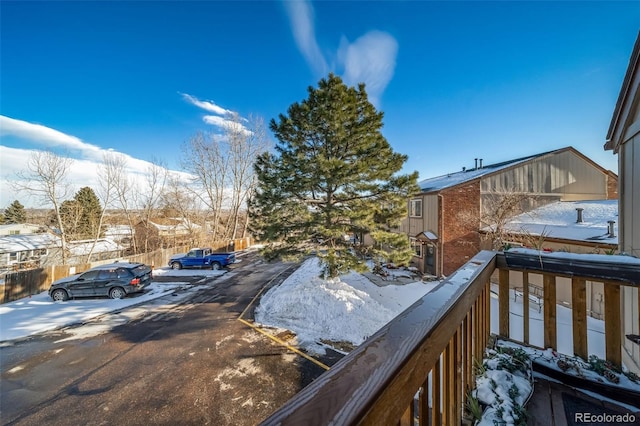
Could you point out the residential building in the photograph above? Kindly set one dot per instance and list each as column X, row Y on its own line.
column 623, row 138
column 101, row 249
column 445, row 218
column 586, row 227
column 164, row 232
column 23, row 251
column 20, row 228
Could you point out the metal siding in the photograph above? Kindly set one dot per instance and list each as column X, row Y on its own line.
column 630, row 196
column 412, row 226
column 565, row 175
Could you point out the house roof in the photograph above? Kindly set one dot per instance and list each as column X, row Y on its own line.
column 559, row 221
column 81, row 248
column 24, row 242
column 453, row 179
column 628, row 94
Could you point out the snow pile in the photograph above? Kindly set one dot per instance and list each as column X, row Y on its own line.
column 346, row 309
column 504, row 386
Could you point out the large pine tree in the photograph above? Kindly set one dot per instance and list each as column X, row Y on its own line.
column 81, row 216
column 333, row 174
column 15, row 213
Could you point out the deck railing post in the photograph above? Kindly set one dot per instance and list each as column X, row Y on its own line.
column 612, row 322
column 550, row 333
column 525, row 306
column 503, row 302
column 579, row 316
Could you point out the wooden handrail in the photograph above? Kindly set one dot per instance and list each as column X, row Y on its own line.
column 423, row 359
column 376, row 383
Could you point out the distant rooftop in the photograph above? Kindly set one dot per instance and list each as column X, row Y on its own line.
column 456, row 178
column 559, row 220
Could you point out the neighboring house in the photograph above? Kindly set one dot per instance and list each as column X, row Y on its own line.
column 161, row 233
column 121, row 234
column 103, row 249
column 29, row 251
column 20, row 228
column 572, row 226
column 444, row 219
column 623, row 138
column 568, row 226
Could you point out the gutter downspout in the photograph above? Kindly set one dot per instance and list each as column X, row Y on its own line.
column 440, row 259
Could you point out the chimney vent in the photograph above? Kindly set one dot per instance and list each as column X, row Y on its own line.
column 579, row 211
column 611, row 229
column 464, row 169
column 476, row 162
column 481, row 163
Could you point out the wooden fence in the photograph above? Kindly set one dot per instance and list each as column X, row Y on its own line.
column 25, row 283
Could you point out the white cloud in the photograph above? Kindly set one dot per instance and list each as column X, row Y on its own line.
column 206, row 105
column 225, row 124
column 302, row 24
column 86, row 158
column 225, row 119
column 371, row 60
column 46, row 136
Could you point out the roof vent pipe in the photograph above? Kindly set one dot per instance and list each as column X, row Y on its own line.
column 579, row 211
column 476, row 162
column 612, row 232
column 481, row 163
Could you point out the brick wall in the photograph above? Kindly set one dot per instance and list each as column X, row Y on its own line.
column 460, row 221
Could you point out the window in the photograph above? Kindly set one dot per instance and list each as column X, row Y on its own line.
column 416, row 246
column 415, row 208
column 89, row 275
column 14, row 232
column 107, row 275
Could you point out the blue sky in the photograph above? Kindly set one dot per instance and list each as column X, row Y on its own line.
column 456, row 80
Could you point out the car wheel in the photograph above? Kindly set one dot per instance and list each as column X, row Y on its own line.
column 117, row 293
column 59, row 295
column 176, row 265
column 215, row 266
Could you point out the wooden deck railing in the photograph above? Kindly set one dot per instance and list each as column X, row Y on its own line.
column 418, row 368
column 428, row 351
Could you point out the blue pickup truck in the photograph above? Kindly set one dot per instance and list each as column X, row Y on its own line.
column 202, row 258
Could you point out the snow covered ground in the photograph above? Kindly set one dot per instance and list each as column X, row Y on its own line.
column 348, row 309
column 32, row 315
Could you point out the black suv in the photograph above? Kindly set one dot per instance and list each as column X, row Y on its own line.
column 115, row 280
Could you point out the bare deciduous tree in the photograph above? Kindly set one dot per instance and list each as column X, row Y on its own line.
column 124, row 190
column 46, row 178
column 496, row 212
column 205, row 159
column 178, row 200
column 156, row 179
column 106, row 189
column 244, row 146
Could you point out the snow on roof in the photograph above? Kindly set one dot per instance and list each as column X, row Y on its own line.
column 24, row 242
column 117, row 230
column 453, row 179
column 81, row 248
column 559, row 220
